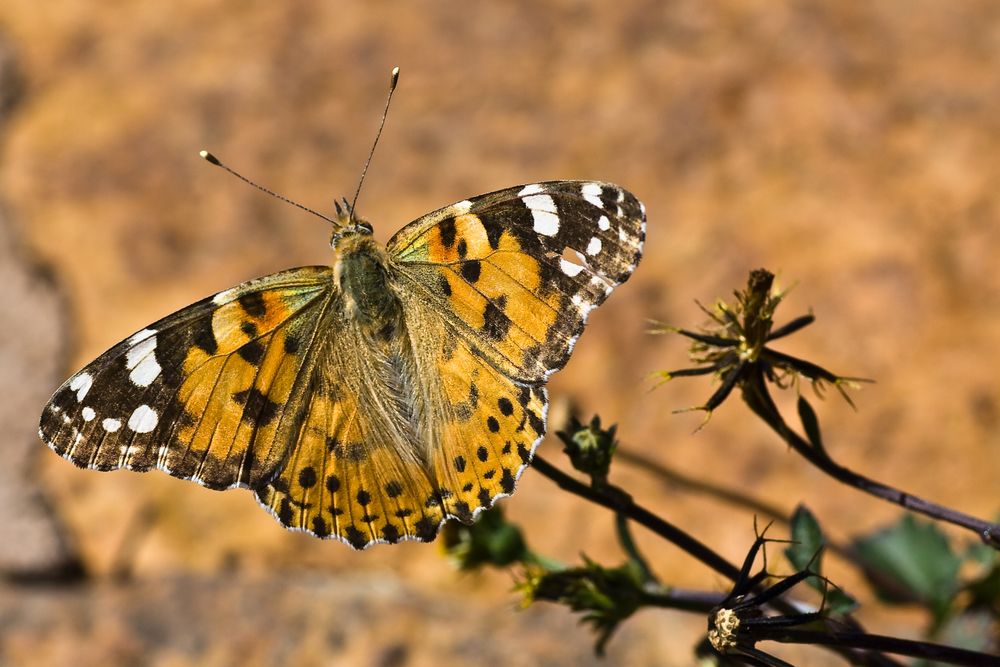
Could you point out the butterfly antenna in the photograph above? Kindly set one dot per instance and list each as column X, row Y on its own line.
column 218, row 163
column 392, row 86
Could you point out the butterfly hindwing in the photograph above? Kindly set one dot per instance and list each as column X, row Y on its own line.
column 518, row 270
column 356, row 469
column 199, row 394
column 489, row 434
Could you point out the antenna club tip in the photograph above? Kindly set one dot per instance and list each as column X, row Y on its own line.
column 210, row 158
column 395, row 75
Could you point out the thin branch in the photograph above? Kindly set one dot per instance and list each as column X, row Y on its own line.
column 862, row 640
column 624, row 504
column 757, row 397
column 727, row 495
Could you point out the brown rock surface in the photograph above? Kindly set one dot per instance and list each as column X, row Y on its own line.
column 855, row 150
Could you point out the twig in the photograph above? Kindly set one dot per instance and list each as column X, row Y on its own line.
column 757, row 397
column 624, row 504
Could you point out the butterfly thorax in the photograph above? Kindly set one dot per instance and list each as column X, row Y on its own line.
column 363, row 277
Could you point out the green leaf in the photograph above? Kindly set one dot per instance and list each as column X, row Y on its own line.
column 985, row 590
column 911, row 561
column 807, row 540
column 839, row 601
column 811, row 424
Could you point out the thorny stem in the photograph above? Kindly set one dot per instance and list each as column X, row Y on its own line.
column 757, row 397
column 617, row 500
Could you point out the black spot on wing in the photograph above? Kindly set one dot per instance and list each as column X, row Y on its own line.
column 203, row 336
column 390, row 533
column 496, row 324
column 285, row 514
column 252, row 352
column 253, row 304
column 446, row 228
column 507, row 481
column 355, row 537
column 470, row 270
column 319, row 527
column 258, row 409
column 426, row 529
column 307, row 477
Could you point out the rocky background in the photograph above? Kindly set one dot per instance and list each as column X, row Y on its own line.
column 854, row 150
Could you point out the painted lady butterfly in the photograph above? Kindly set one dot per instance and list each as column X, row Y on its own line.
column 372, row 400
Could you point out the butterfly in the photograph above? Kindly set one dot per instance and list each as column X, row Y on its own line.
column 375, row 399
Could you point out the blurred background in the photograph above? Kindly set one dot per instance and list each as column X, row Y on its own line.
column 852, row 149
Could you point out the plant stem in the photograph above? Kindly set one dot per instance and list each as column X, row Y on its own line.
column 621, row 502
column 726, row 495
column 861, row 640
column 757, row 397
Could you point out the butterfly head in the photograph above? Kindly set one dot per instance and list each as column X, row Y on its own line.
column 347, row 225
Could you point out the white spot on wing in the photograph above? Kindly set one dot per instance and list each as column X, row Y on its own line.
column 532, row 189
column 462, row 207
column 88, row 414
column 111, row 425
column 592, row 193
column 543, row 212
column 569, row 268
column 141, row 336
column 141, row 360
column 594, row 246
column 81, row 384
column 546, row 223
column 581, row 304
column 622, row 236
column 603, row 224
column 225, row 296
column 143, row 419
column 540, row 203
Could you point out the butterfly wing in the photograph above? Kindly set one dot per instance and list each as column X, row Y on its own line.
column 517, row 271
column 502, row 284
column 207, row 393
column 358, row 471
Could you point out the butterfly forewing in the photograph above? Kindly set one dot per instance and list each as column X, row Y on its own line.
column 517, row 271
column 200, row 393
